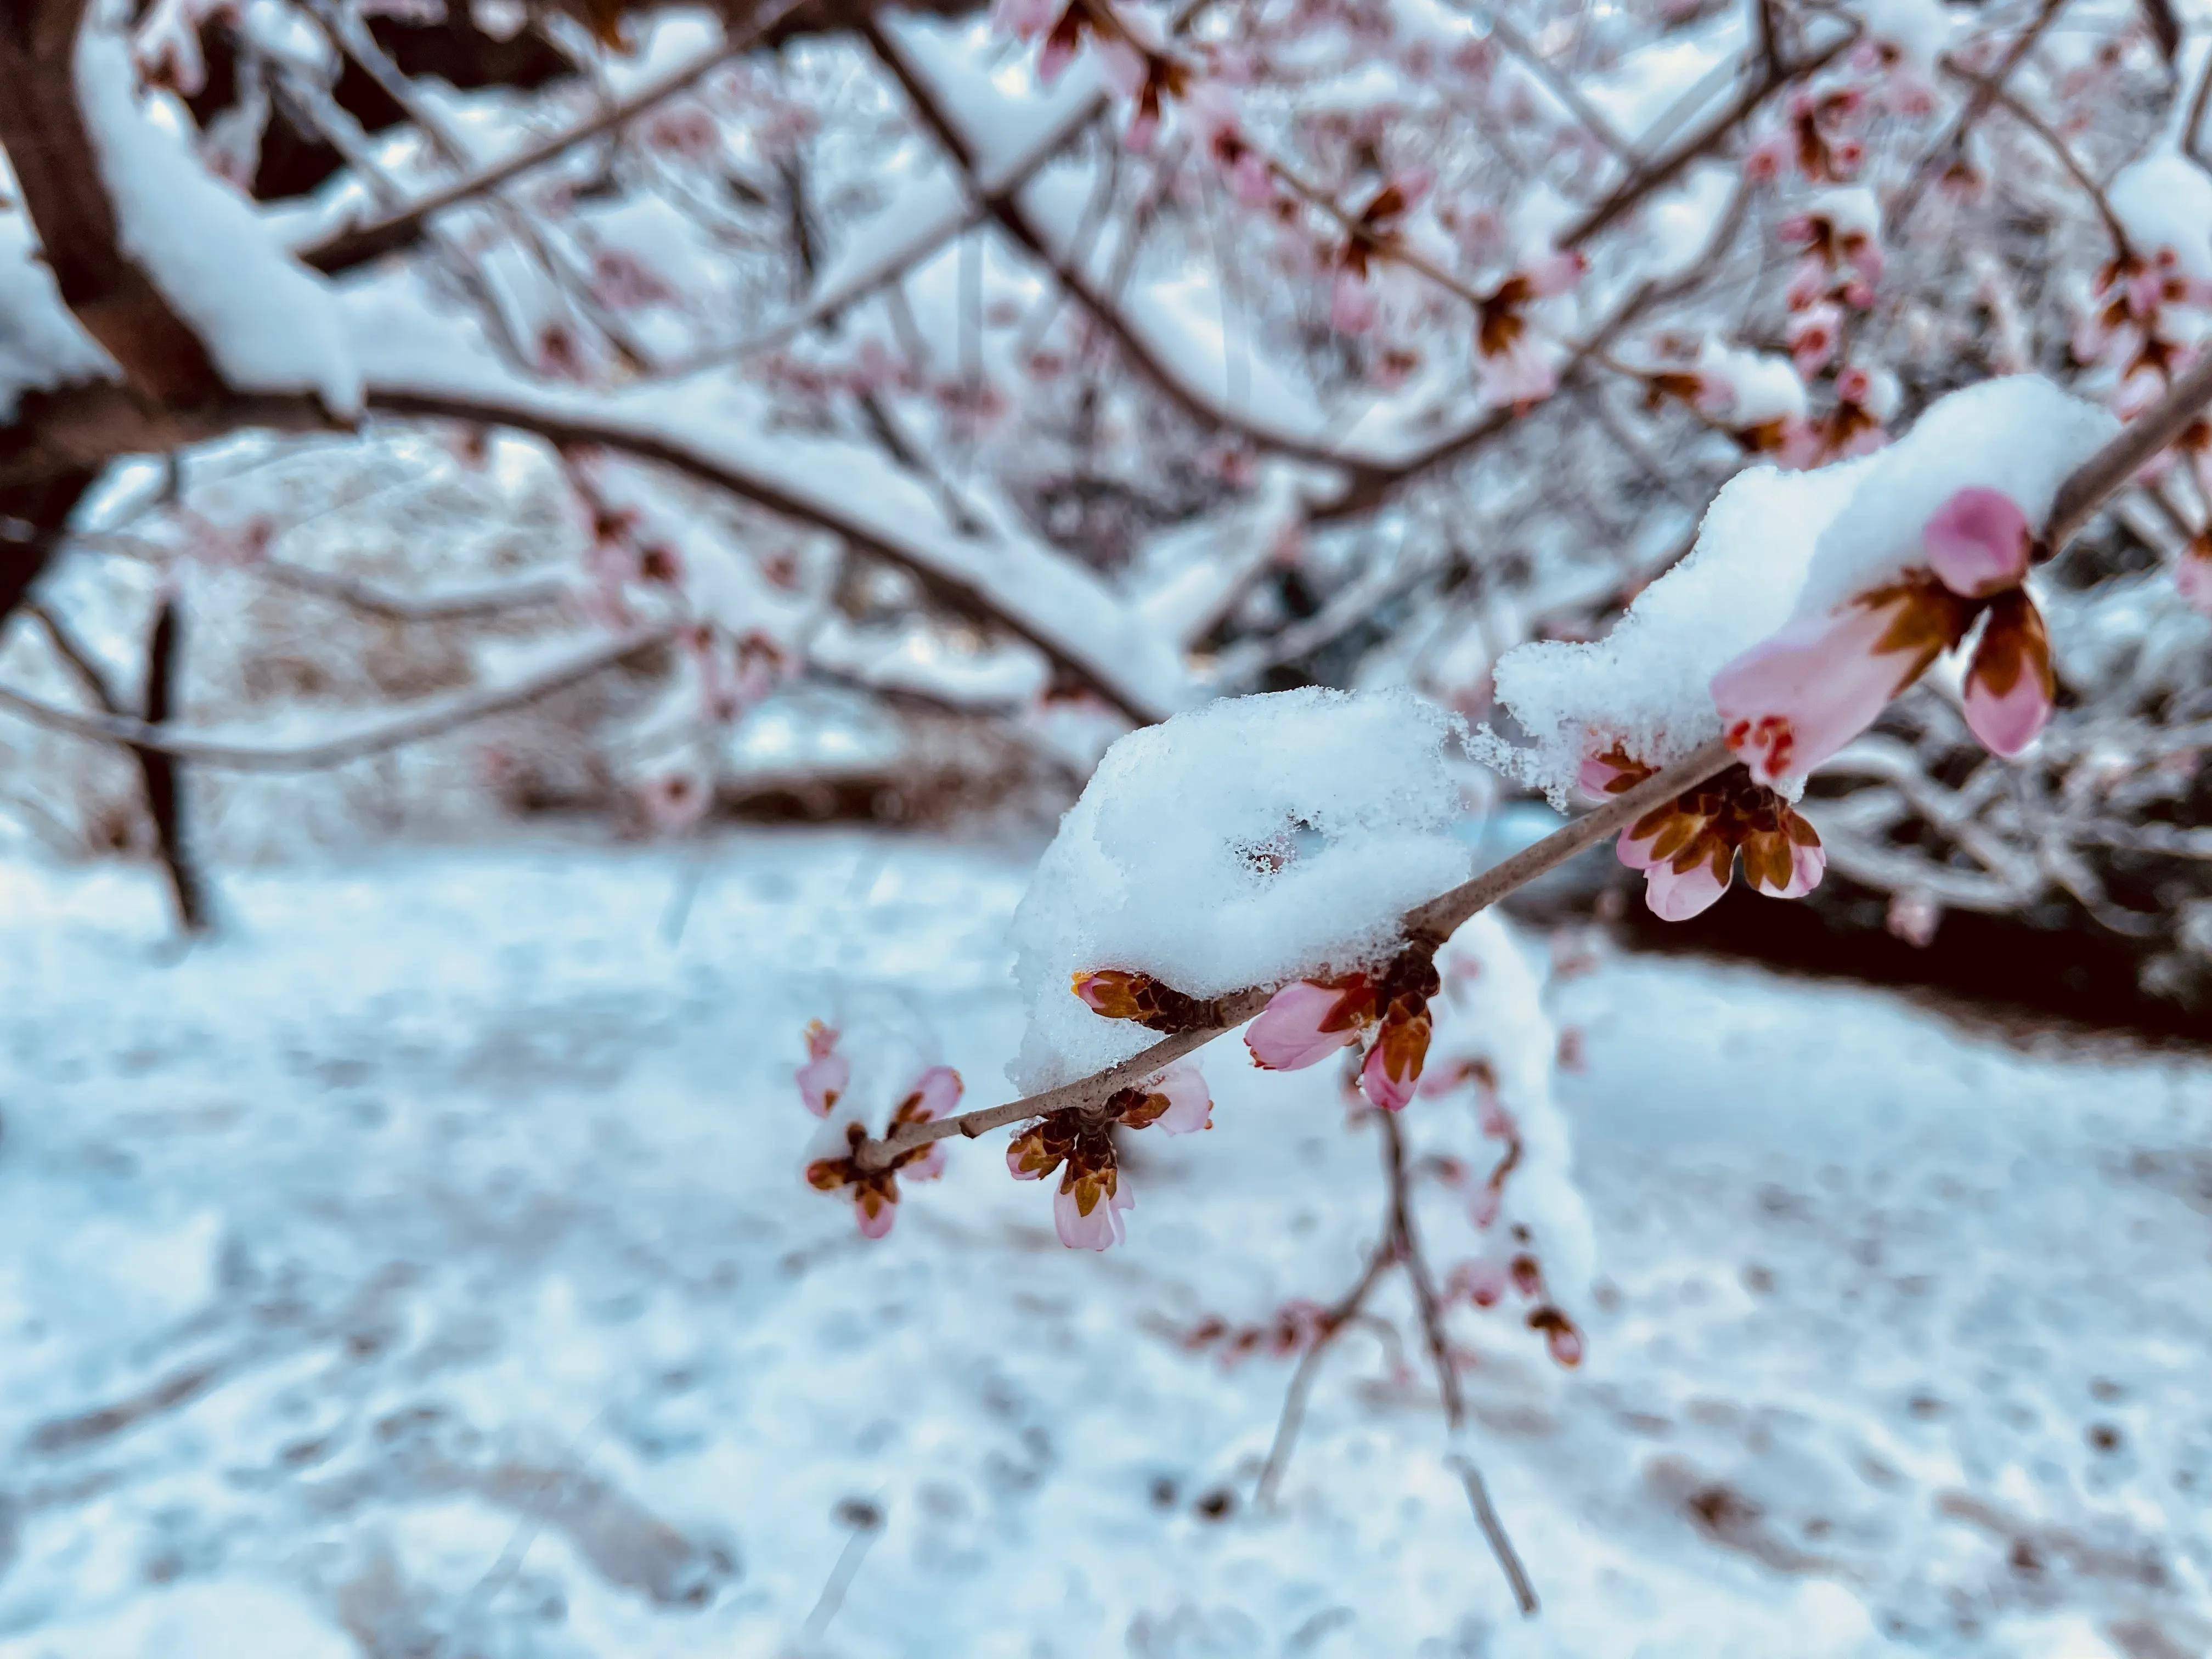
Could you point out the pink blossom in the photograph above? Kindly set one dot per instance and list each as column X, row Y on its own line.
column 1100, row 1226
column 1385, row 1079
column 1557, row 273
column 1024, row 19
column 1676, row 894
column 1523, row 374
column 1977, row 543
column 1792, row 700
column 1190, row 1103
column 1598, row 775
column 1813, row 334
column 874, row 1211
column 1353, row 304
column 1301, row 1026
column 934, row 1093
column 827, row 1072
column 2009, row 688
column 1060, row 49
column 1124, row 67
column 2193, row 576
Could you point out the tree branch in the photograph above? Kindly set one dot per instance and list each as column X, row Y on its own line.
column 2078, row 498
column 403, row 226
column 440, row 716
column 1435, row 921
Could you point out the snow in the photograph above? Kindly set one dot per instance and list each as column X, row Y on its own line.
column 1849, row 208
column 268, row 324
column 2164, row 202
column 850, row 488
column 1245, row 843
column 521, row 1338
column 1917, row 30
column 42, row 345
column 1492, row 1013
column 1646, row 685
column 2019, row 434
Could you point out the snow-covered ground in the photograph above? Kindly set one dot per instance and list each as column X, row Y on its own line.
column 422, row 1269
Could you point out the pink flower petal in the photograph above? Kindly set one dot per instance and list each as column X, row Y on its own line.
column 1393, row 1071
column 928, row 1167
column 1807, row 865
column 1677, row 895
column 873, row 1213
column 1977, row 543
column 822, row 1081
column 935, row 1092
column 1597, row 775
column 1792, row 701
column 1353, row 305
column 2192, row 577
column 1636, row 855
column 1287, row 1036
column 1190, row 1103
column 1388, row 1092
column 1101, row 1229
column 2007, row 722
column 2009, row 688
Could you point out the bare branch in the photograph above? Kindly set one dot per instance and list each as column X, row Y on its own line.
column 401, row 228
column 435, row 719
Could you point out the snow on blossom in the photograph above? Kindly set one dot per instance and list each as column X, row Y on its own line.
column 2164, row 202
column 2018, row 434
column 1646, row 687
column 1916, row 30
column 1256, row 840
column 268, row 322
column 1935, row 536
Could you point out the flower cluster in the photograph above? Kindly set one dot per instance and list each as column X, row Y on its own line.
column 1309, row 1019
column 1086, row 1211
column 1794, row 700
column 1484, row 1284
column 825, row 1083
column 1687, row 847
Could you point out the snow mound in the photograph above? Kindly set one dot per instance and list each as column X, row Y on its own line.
column 1251, row 841
column 1645, row 686
column 2019, row 434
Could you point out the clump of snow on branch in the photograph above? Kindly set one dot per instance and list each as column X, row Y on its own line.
column 1778, row 546
column 2020, row 435
column 268, row 324
column 2164, row 202
column 1645, row 687
column 1258, row 840
column 42, row 344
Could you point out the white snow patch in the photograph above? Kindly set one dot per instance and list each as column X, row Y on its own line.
column 1245, row 843
column 2164, row 202
column 268, row 324
column 2019, row 434
column 1646, row 686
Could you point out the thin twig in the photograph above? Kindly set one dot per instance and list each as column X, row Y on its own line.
column 1430, row 1306
column 440, row 716
column 1333, row 1323
column 397, row 229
